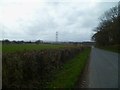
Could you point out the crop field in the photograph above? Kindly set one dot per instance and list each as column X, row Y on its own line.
column 37, row 65
column 29, row 47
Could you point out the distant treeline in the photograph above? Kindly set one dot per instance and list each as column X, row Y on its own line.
column 108, row 30
column 21, row 42
column 6, row 41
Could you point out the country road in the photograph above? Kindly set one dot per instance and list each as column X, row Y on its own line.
column 103, row 69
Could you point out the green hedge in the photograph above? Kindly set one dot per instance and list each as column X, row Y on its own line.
column 34, row 69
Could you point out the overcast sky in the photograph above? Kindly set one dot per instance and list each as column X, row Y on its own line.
column 40, row 19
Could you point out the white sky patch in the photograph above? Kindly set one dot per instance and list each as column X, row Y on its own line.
column 40, row 19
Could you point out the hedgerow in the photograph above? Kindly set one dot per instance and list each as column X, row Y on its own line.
column 34, row 69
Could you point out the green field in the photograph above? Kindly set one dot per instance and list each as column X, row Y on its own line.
column 28, row 47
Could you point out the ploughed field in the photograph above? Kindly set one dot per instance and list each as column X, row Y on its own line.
column 42, row 65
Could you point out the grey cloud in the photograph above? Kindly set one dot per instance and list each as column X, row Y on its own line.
column 73, row 21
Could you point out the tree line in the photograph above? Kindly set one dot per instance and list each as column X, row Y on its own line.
column 108, row 30
column 6, row 41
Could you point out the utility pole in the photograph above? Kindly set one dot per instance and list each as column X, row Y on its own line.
column 56, row 36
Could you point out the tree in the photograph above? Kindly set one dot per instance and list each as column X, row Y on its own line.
column 108, row 30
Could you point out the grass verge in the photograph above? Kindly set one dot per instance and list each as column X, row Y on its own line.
column 67, row 77
column 112, row 48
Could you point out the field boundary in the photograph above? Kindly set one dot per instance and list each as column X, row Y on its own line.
column 68, row 77
column 34, row 69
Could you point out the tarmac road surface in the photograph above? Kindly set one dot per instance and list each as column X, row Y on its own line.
column 103, row 69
